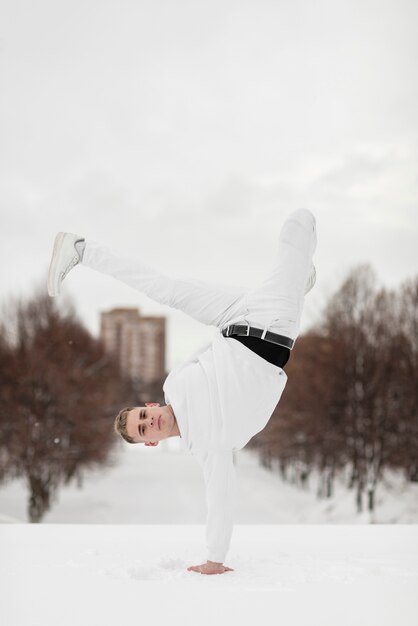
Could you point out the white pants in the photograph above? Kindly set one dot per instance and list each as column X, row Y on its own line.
column 275, row 304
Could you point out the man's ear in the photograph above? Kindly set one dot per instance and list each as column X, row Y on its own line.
column 151, row 443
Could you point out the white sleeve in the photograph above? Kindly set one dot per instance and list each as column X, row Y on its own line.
column 220, row 480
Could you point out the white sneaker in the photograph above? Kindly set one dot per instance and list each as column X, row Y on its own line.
column 311, row 280
column 65, row 256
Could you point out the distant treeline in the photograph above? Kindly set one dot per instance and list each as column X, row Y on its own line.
column 351, row 400
column 59, row 393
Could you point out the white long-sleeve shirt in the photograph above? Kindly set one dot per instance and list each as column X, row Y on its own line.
column 222, row 396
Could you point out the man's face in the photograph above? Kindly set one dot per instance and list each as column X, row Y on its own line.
column 151, row 423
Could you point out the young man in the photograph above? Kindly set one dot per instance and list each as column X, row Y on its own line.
column 226, row 392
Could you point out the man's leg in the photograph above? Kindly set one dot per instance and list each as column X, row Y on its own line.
column 276, row 304
column 208, row 303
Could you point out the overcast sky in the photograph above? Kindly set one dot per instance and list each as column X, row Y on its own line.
column 184, row 131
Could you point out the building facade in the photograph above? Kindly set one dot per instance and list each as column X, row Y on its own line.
column 137, row 341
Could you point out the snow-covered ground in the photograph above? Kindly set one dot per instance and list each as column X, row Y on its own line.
column 117, row 551
column 310, row 575
column 164, row 485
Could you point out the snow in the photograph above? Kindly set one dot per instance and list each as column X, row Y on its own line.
column 117, row 551
column 165, row 485
column 307, row 574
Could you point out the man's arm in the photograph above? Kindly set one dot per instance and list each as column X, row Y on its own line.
column 220, row 480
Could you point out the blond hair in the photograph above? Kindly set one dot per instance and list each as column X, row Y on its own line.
column 120, row 423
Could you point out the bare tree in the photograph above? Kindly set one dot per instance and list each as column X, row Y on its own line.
column 352, row 396
column 59, row 394
column 305, row 430
column 405, row 396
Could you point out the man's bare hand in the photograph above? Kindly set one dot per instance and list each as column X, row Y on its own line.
column 210, row 567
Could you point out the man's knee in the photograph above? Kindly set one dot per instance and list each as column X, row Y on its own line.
column 305, row 217
column 299, row 230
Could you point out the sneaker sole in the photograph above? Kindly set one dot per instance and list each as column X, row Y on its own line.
column 53, row 278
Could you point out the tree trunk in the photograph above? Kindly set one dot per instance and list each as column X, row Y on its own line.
column 371, row 493
column 359, row 498
column 330, row 484
column 38, row 499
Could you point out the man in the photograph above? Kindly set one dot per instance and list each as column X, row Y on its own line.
column 217, row 400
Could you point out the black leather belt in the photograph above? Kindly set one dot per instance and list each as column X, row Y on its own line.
column 280, row 340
